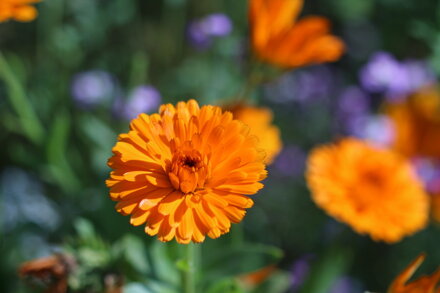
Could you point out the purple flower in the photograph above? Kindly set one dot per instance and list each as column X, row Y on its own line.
column 377, row 129
column 353, row 105
column 305, row 85
column 202, row 31
column 300, row 271
column 353, row 101
column 142, row 99
column 346, row 285
column 384, row 74
column 291, row 161
column 93, row 87
column 429, row 171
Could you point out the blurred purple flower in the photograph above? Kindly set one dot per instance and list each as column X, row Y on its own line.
column 346, row 285
column 142, row 99
column 384, row 74
column 377, row 129
column 291, row 161
column 429, row 172
column 353, row 101
column 300, row 271
column 201, row 32
column 304, row 85
column 353, row 106
column 94, row 87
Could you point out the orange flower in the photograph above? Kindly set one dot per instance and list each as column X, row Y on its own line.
column 186, row 172
column 20, row 10
column 435, row 207
column 425, row 284
column 52, row 270
column 259, row 121
column 417, row 124
column 373, row 190
column 277, row 39
column 257, row 277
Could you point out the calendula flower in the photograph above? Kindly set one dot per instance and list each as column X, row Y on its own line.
column 425, row 284
column 257, row 277
column 259, row 120
column 373, row 190
column 19, row 10
column 435, row 207
column 186, row 172
column 52, row 270
column 417, row 124
column 278, row 39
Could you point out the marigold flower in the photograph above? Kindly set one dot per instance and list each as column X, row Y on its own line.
column 435, row 207
column 276, row 38
column 52, row 270
column 19, row 10
column 257, row 277
column 425, row 284
column 373, row 190
column 417, row 124
column 259, row 120
column 186, row 172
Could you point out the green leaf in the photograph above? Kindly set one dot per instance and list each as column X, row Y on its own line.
column 239, row 260
column 226, row 286
column 324, row 273
column 135, row 253
column 163, row 262
column 278, row 282
column 84, row 229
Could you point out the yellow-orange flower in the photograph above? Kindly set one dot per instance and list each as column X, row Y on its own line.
column 373, row 190
column 417, row 123
column 259, row 121
column 186, row 172
column 276, row 38
column 20, row 10
column 425, row 284
column 435, row 207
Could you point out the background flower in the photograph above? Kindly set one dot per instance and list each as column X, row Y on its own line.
column 19, row 10
column 362, row 191
column 285, row 43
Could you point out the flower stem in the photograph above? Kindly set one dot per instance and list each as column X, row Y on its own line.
column 30, row 123
column 189, row 283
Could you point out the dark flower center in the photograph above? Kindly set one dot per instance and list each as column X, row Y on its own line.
column 190, row 162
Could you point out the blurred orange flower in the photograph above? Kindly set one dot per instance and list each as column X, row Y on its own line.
column 276, row 38
column 19, row 10
column 417, row 124
column 52, row 270
column 373, row 190
column 255, row 278
column 259, row 121
column 435, row 207
column 186, row 172
column 425, row 284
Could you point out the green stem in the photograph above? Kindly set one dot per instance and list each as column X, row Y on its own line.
column 17, row 97
column 189, row 283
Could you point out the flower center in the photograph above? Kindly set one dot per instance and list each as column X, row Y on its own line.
column 191, row 162
column 188, row 170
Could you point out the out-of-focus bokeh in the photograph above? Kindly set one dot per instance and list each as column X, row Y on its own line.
column 72, row 79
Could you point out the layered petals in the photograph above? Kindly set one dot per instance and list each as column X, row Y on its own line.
column 260, row 119
column 186, row 172
column 373, row 190
column 278, row 39
column 424, row 284
column 19, row 10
